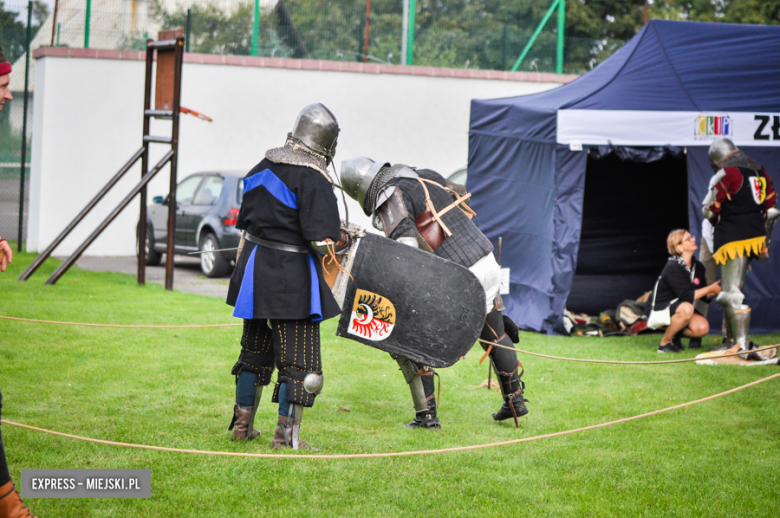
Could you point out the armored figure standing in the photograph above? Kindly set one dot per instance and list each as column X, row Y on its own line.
column 421, row 209
column 288, row 213
column 741, row 205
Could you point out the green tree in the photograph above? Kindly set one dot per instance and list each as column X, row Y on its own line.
column 217, row 30
column 760, row 12
column 13, row 28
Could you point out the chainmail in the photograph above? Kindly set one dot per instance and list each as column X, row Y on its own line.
column 380, row 181
column 296, row 152
column 740, row 159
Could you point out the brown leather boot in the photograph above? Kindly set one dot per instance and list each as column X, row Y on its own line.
column 283, row 436
column 242, row 416
column 11, row 505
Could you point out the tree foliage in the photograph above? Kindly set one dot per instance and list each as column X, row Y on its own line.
column 13, row 27
column 760, row 12
column 216, row 30
column 488, row 34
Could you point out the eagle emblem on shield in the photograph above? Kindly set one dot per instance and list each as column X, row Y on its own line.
column 758, row 189
column 373, row 316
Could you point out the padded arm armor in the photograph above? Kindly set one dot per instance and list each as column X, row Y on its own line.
column 712, row 194
column 392, row 212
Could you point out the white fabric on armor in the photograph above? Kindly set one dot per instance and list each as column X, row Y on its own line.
column 488, row 272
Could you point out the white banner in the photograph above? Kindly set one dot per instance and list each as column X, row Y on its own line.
column 651, row 128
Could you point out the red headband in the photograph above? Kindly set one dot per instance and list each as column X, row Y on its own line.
column 5, row 68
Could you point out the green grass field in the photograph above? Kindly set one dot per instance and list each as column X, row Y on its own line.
column 173, row 388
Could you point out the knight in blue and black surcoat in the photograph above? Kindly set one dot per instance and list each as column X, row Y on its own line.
column 288, row 209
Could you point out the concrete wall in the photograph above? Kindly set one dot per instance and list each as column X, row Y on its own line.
column 88, row 121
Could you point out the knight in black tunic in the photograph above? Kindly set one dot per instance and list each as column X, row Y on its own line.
column 288, row 211
column 741, row 205
column 419, row 208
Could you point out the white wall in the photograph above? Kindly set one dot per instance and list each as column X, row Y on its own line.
column 88, row 121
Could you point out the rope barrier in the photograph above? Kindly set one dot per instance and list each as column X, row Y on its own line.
column 493, row 344
column 396, row 454
column 616, row 362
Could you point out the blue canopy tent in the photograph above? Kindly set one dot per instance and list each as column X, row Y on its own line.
column 675, row 86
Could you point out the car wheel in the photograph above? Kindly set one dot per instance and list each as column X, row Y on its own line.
column 212, row 264
column 153, row 258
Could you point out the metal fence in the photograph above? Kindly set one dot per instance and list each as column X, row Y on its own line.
column 484, row 34
column 15, row 128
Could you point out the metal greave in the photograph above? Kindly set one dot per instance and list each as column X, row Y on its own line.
column 409, row 369
column 731, row 299
column 294, row 418
column 732, row 280
column 505, row 361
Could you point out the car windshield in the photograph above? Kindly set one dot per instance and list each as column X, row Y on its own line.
column 186, row 189
column 210, row 190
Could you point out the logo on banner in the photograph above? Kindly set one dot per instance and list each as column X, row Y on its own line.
column 758, row 188
column 709, row 127
column 373, row 316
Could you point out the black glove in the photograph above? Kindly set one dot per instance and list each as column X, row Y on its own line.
column 511, row 329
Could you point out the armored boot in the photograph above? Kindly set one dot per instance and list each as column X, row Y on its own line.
column 424, row 397
column 420, row 381
column 244, row 419
column 11, row 505
column 506, row 367
column 740, row 324
column 288, row 428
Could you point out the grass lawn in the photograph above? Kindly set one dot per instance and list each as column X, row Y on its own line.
column 173, row 388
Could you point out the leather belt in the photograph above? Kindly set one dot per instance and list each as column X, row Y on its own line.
column 275, row 245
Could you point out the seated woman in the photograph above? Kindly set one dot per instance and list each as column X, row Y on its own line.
column 677, row 289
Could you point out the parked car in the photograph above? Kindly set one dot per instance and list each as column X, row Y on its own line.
column 207, row 206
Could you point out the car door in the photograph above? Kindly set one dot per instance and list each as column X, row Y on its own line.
column 206, row 200
column 185, row 193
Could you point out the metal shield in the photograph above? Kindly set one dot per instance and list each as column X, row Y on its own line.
column 409, row 302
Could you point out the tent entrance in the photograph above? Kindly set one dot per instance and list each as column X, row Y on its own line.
column 630, row 206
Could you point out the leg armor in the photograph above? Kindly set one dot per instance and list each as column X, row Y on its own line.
column 738, row 314
column 422, row 387
column 297, row 346
column 731, row 297
column 247, row 402
column 288, row 428
column 506, row 367
column 252, row 371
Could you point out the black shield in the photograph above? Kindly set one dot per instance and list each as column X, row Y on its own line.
column 411, row 303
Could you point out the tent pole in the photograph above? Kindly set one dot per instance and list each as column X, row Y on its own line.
column 561, row 31
column 535, row 35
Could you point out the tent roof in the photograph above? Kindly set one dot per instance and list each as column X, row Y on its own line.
column 667, row 66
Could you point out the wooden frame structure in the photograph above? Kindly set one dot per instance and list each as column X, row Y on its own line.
column 169, row 51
